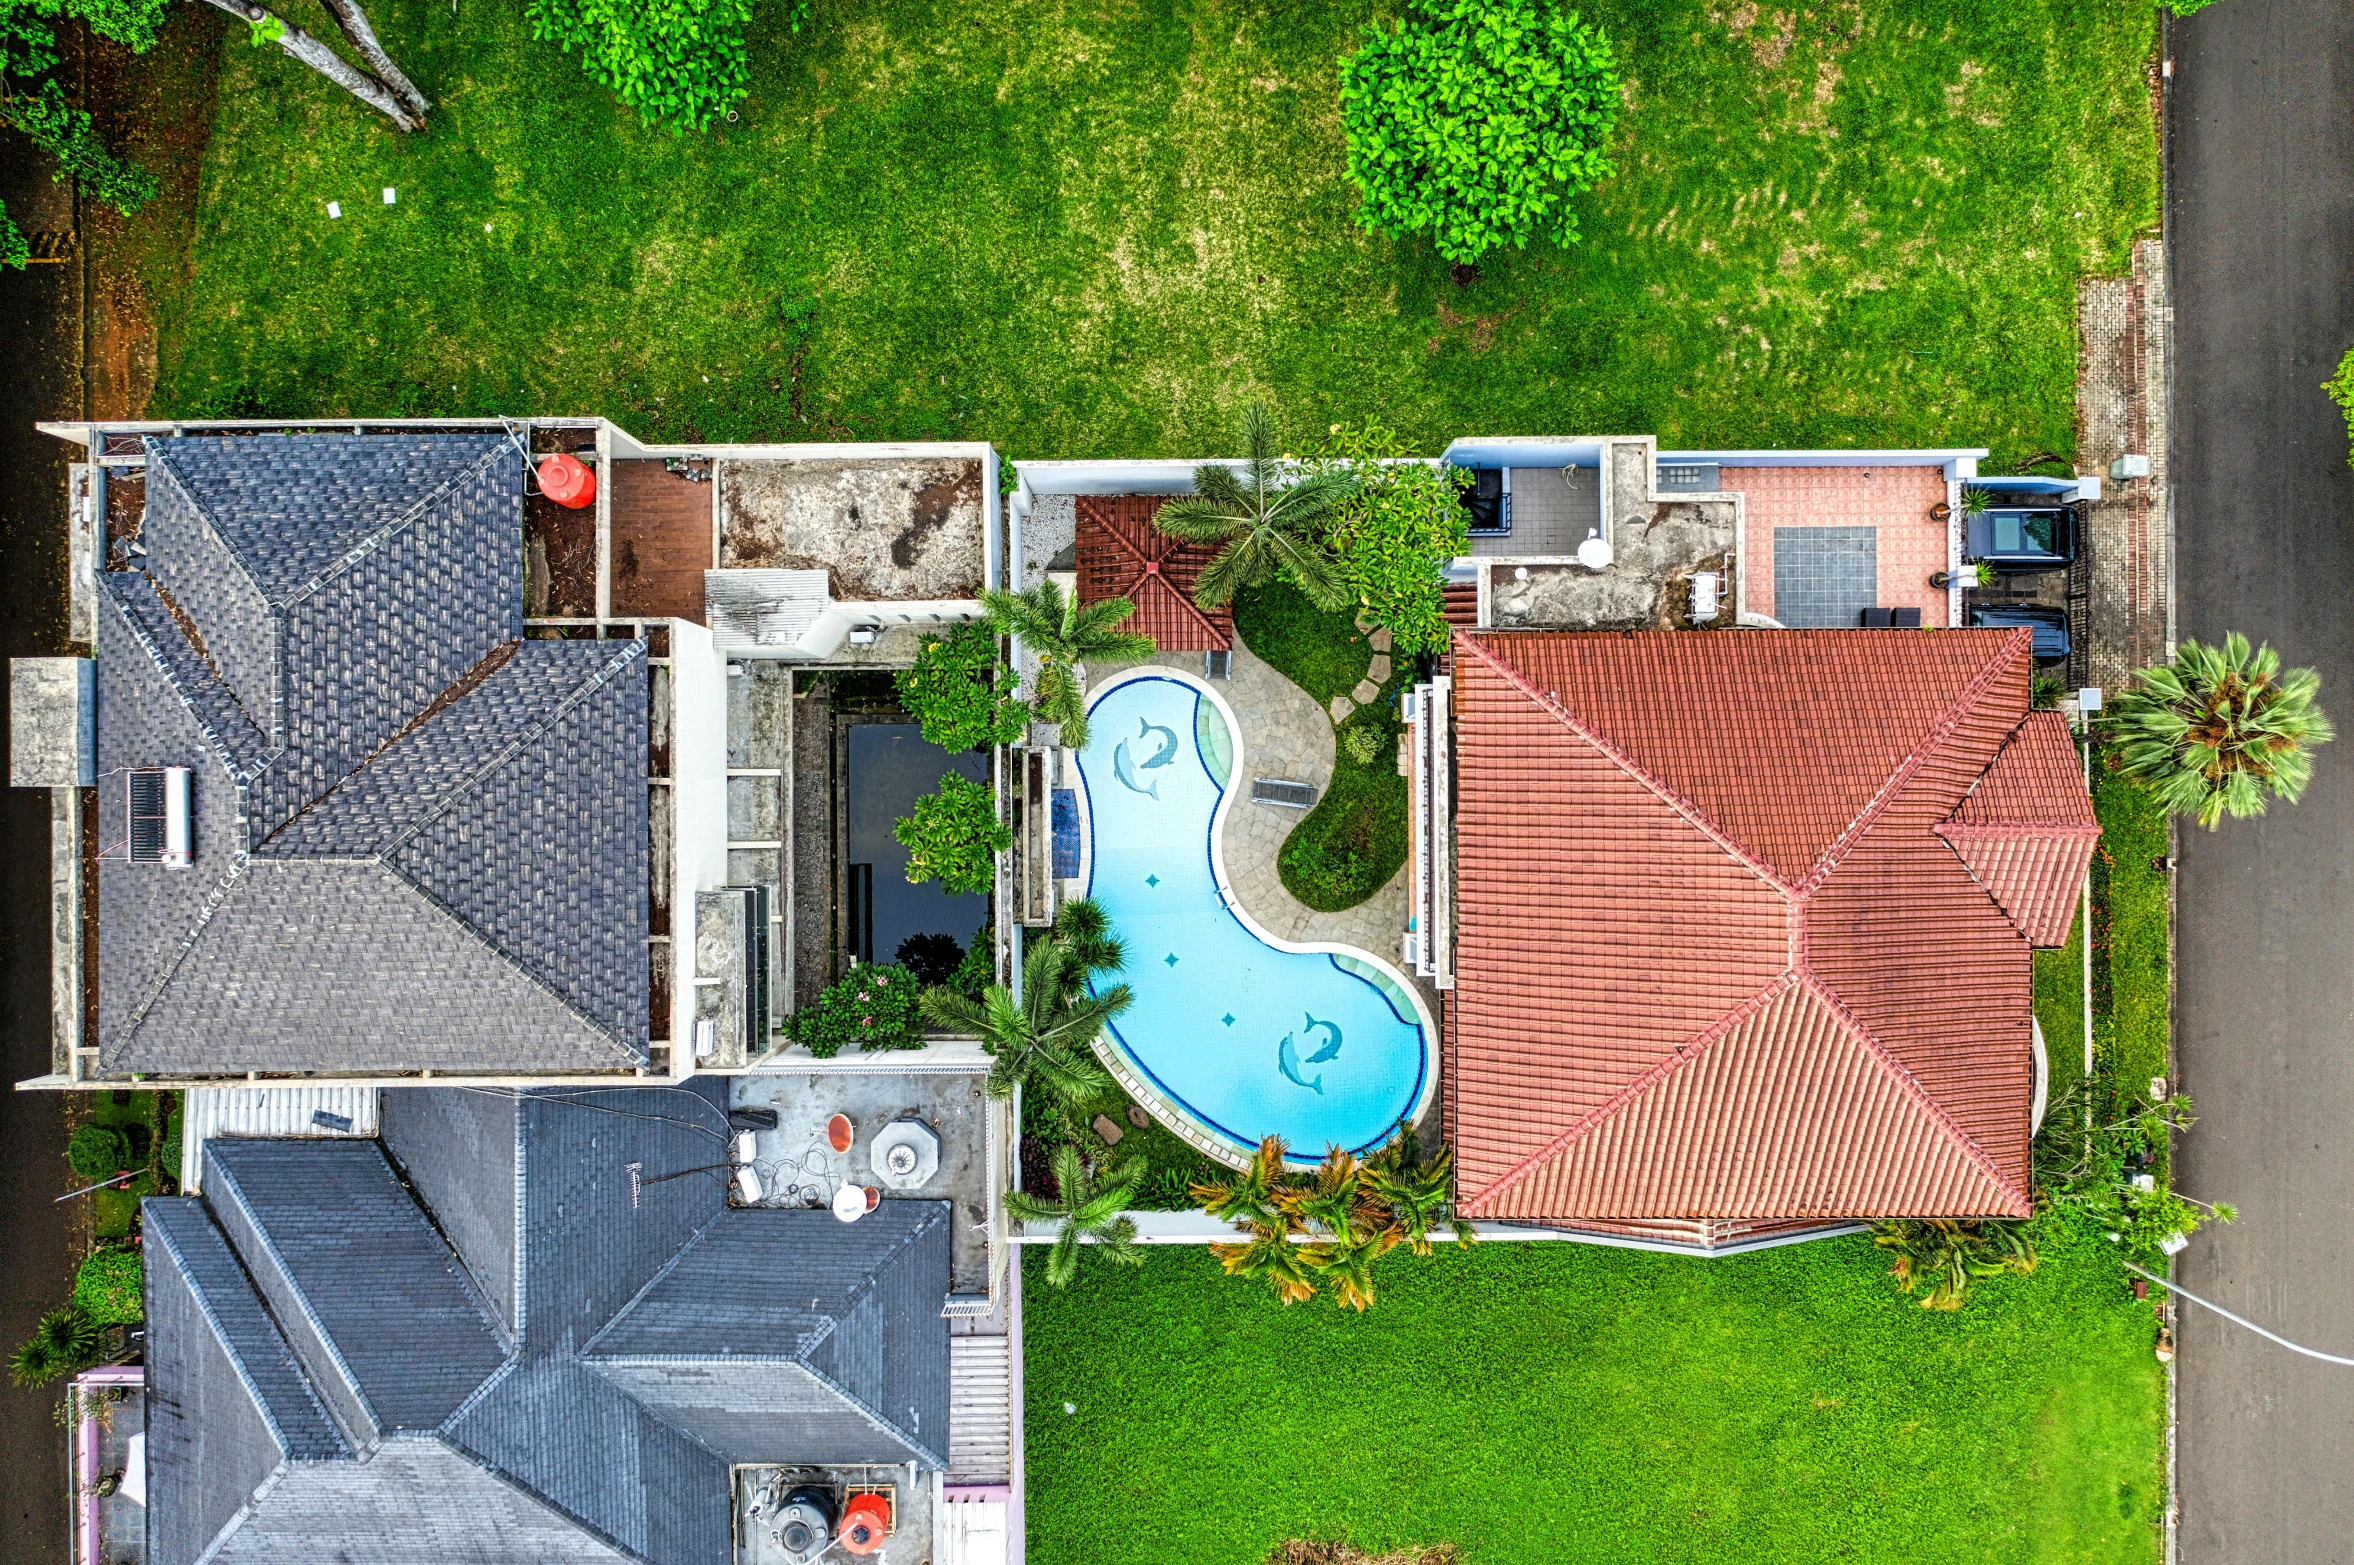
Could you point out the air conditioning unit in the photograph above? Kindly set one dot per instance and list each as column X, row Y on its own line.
column 156, row 816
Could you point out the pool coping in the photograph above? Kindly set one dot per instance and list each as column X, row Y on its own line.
column 1179, row 1121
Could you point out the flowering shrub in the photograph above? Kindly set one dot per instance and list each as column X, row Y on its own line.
column 873, row 1007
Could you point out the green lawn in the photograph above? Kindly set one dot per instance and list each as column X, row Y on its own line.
column 1085, row 228
column 1553, row 1402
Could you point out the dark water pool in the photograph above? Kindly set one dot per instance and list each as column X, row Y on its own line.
column 885, row 769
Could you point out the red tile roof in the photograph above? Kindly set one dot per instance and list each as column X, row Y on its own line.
column 1122, row 555
column 2027, row 829
column 1714, row 959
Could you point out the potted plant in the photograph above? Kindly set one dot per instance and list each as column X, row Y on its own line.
column 1974, row 573
column 1975, row 500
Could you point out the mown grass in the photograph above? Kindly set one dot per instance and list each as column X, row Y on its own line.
column 2130, row 996
column 1088, row 229
column 1548, row 1402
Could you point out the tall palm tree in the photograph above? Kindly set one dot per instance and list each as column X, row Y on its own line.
column 1266, row 521
column 1062, row 633
column 1414, row 1192
column 1085, row 931
column 1255, row 1194
column 1090, row 1206
column 2220, row 728
column 1272, row 1257
column 1047, row 1036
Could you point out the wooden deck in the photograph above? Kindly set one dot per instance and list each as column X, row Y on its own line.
column 662, row 542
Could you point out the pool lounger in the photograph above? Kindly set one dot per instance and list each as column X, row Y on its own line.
column 1289, row 795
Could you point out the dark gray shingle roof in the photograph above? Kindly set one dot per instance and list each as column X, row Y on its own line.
column 625, row 1448
column 346, row 644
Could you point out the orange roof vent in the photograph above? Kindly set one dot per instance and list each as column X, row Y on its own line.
column 564, row 479
column 866, row 1523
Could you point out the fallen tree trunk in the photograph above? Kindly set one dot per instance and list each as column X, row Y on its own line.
column 302, row 46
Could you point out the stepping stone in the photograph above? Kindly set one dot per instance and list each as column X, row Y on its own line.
column 1138, row 1117
column 1379, row 673
column 1366, row 690
column 1342, row 707
column 1110, row 1132
column 1364, row 625
column 1379, row 636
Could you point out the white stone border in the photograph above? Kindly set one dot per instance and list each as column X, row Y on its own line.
column 1150, row 1097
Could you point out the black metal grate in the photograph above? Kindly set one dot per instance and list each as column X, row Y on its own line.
column 2080, row 605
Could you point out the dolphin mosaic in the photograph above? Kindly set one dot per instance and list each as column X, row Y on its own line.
column 1331, row 1049
column 1287, row 1060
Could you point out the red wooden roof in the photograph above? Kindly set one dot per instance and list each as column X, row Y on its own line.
column 1715, row 960
column 1122, row 555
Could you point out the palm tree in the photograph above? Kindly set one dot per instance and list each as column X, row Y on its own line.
column 1353, row 1229
column 1267, row 523
column 64, row 1340
column 1946, row 1253
column 1253, row 1196
column 1048, row 1035
column 2219, row 728
column 1062, row 633
column 1090, row 1206
column 1085, row 931
column 1413, row 1192
column 1272, row 1257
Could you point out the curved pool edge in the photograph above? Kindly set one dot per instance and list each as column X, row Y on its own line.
column 1132, row 1075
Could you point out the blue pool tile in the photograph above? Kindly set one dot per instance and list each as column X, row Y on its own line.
column 1171, row 959
column 1228, row 1018
column 1152, row 880
column 1066, row 833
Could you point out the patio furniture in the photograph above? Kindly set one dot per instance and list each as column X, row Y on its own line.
column 1286, row 795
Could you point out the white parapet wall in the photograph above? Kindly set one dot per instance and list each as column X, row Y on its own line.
column 698, row 769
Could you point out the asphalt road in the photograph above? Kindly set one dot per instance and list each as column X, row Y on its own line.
column 2262, row 150
column 40, row 342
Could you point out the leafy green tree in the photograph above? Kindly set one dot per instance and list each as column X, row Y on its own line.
column 1089, row 1206
column 972, row 975
column 1062, row 634
column 2099, row 1162
column 677, row 62
column 1944, row 1254
column 961, row 694
column 107, row 1287
column 953, row 835
column 63, row 1341
column 1395, row 534
column 1476, row 122
column 1264, row 523
column 2341, row 391
column 2220, row 730
column 1046, row 1036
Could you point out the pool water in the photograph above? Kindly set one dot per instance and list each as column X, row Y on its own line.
column 1247, row 1038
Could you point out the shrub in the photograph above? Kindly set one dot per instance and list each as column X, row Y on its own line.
column 2341, row 391
column 65, row 1340
column 1322, row 653
column 1476, row 120
column 954, row 836
column 97, row 1151
column 677, row 62
column 1360, row 744
column 873, row 1007
column 961, row 694
column 978, row 970
column 1395, row 534
column 107, row 1287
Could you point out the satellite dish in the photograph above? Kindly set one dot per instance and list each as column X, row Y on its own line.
column 1594, row 554
column 850, row 1203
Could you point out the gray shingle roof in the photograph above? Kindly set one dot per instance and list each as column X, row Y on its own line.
column 644, row 1367
column 345, row 647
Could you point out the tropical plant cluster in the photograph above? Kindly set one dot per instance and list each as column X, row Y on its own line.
column 960, row 693
column 1477, row 121
column 2341, row 391
column 1939, row 1256
column 108, row 1287
column 2101, row 1162
column 33, row 102
column 64, row 1341
column 1327, row 1227
column 679, row 63
column 953, row 835
column 1046, row 1037
column 2220, row 730
column 1394, row 533
column 872, row 1006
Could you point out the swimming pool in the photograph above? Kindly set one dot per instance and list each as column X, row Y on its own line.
column 1242, row 1035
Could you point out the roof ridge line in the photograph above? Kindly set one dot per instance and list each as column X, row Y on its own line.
column 500, row 446
column 587, row 1350
column 491, row 947
column 1701, row 1042
column 1968, row 830
column 1691, row 813
column 1939, row 728
column 462, row 787
column 212, row 1318
column 239, row 862
column 1814, row 984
